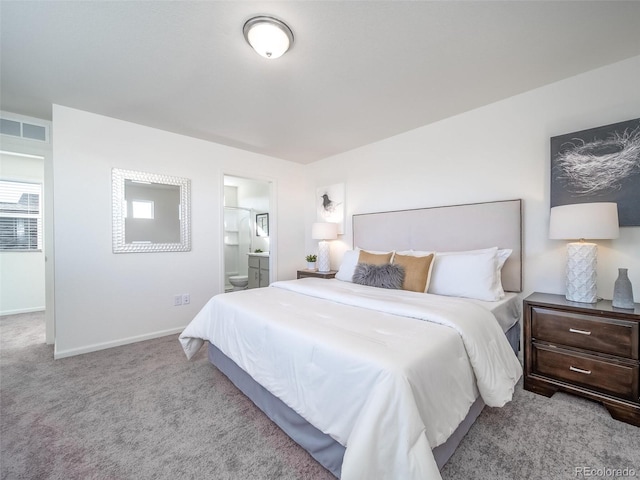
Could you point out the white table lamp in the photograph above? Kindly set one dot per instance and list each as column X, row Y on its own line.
column 593, row 221
column 324, row 232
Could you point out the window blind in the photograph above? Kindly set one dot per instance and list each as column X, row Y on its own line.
column 20, row 216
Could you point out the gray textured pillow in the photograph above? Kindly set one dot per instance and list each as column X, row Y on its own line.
column 381, row 276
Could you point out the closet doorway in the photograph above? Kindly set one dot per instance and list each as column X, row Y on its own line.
column 247, row 237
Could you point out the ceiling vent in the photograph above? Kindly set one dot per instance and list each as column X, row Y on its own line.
column 21, row 129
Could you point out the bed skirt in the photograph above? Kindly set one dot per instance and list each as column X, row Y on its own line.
column 321, row 446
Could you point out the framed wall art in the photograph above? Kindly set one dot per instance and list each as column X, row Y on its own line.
column 330, row 205
column 599, row 165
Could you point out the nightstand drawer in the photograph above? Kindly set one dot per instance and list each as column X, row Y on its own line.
column 598, row 334
column 589, row 350
column 615, row 379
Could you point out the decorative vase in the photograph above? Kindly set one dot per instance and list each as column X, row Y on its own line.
column 622, row 291
column 311, row 265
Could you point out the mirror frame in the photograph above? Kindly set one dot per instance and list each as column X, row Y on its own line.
column 118, row 178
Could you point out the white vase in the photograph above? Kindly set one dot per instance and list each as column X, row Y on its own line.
column 311, row 265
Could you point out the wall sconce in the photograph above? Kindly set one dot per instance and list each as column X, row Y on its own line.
column 578, row 222
column 323, row 232
column 268, row 36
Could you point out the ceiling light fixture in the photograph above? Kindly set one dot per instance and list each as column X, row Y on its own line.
column 268, row 36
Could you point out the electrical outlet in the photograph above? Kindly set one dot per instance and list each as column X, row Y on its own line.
column 177, row 300
column 186, row 299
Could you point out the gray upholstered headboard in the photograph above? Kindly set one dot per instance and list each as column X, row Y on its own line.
column 448, row 228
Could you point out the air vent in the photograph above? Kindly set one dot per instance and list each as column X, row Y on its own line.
column 30, row 131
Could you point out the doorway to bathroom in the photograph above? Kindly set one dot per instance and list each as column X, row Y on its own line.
column 246, row 233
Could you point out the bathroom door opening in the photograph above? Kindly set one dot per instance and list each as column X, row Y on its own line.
column 238, row 236
column 245, row 201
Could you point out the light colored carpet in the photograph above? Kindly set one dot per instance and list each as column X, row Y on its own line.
column 143, row 411
column 140, row 411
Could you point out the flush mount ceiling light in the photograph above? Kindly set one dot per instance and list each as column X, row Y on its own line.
column 268, row 36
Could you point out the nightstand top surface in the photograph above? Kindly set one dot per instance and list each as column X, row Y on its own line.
column 604, row 306
column 315, row 273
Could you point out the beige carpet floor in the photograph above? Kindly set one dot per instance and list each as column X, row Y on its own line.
column 142, row 411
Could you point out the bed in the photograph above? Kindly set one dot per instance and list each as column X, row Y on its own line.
column 373, row 382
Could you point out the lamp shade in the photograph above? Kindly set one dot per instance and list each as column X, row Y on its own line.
column 590, row 221
column 324, row 231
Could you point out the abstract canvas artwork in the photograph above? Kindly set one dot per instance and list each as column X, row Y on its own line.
column 599, row 165
column 330, row 205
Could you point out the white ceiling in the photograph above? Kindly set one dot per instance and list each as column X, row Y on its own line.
column 359, row 71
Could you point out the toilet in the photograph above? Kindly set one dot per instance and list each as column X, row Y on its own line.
column 239, row 282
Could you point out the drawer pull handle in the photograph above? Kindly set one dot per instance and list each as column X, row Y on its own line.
column 579, row 370
column 583, row 332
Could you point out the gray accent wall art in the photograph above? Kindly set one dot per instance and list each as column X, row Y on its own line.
column 599, row 165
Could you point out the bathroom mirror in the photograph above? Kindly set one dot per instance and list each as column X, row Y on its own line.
column 151, row 212
column 262, row 225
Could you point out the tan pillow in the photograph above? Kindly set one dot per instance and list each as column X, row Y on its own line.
column 417, row 271
column 374, row 258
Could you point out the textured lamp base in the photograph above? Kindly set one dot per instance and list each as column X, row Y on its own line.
column 324, row 257
column 581, row 272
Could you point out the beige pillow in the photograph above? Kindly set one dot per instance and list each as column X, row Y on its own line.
column 417, row 271
column 374, row 258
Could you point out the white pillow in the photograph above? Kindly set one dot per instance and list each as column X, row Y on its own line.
column 415, row 253
column 502, row 256
column 348, row 265
column 471, row 274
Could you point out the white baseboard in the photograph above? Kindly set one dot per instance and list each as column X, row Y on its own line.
column 57, row 354
column 21, row 310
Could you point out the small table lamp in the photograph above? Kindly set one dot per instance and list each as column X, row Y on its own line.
column 324, row 232
column 579, row 221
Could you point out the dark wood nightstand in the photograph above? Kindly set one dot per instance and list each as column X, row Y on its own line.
column 585, row 349
column 315, row 273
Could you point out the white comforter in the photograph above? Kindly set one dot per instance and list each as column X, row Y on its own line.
column 365, row 367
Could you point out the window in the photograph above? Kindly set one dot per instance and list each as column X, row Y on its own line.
column 142, row 209
column 20, row 216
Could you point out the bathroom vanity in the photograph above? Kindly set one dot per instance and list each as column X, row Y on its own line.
column 258, row 270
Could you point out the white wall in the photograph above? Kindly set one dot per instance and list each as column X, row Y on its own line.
column 500, row 151
column 104, row 299
column 22, row 277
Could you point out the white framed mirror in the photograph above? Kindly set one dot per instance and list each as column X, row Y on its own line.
column 151, row 212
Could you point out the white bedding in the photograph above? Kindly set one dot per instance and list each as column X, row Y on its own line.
column 361, row 365
column 507, row 310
